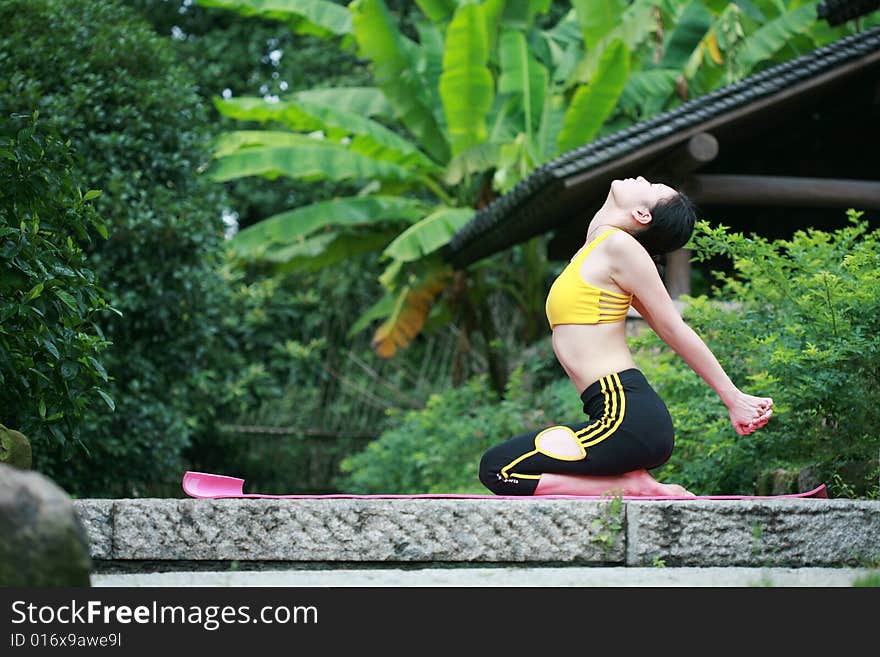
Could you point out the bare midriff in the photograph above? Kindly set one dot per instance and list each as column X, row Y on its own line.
column 587, row 352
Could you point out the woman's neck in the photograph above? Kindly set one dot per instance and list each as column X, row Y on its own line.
column 593, row 230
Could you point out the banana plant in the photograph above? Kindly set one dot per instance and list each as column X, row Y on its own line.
column 463, row 113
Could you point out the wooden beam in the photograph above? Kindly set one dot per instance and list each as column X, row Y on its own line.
column 783, row 190
column 679, row 162
column 678, row 273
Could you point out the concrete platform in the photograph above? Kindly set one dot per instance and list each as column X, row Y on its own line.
column 620, row 576
column 153, row 535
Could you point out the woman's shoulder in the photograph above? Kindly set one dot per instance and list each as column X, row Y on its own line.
column 621, row 242
column 626, row 254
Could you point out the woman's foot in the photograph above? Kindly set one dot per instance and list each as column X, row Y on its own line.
column 641, row 483
column 644, row 484
column 674, row 490
column 636, row 483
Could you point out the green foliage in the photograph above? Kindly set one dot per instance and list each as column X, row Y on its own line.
column 609, row 524
column 871, row 579
column 101, row 77
column 437, row 449
column 50, row 301
column 226, row 55
column 485, row 92
column 800, row 325
column 281, row 348
column 796, row 321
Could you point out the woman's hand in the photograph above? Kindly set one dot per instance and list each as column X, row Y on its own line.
column 749, row 413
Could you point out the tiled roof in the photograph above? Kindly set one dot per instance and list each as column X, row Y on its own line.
column 532, row 208
column 836, row 12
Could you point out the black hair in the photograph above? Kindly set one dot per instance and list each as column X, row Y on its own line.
column 672, row 223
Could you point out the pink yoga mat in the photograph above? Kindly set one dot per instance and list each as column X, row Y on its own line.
column 214, row 486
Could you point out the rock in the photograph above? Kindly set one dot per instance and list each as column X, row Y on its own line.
column 42, row 541
column 777, row 482
column 858, row 475
column 96, row 516
column 15, row 449
column 808, row 479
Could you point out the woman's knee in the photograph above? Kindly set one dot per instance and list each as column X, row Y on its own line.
column 665, row 449
column 499, row 484
column 490, row 472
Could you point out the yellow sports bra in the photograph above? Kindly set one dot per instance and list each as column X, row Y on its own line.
column 572, row 300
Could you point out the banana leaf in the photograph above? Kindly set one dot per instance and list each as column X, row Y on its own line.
column 318, row 161
column 597, row 19
column 326, row 249
column 475, row 159
column 593, row 103
column 411, row 308
column 689, row 31
column 523, row 76
column 437, row 10
column 295, row 225
column 380, row 41
column 429, row 234
column 771, row 37
column 319, row 17
column 466, row 85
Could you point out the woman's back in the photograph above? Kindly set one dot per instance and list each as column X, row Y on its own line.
column 629, row 429
column 588, row 351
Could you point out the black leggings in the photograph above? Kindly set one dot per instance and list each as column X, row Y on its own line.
column 629, row 429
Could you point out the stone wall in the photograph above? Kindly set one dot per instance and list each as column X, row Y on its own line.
column 782, row 532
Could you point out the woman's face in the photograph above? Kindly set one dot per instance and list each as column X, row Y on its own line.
column 631, row 193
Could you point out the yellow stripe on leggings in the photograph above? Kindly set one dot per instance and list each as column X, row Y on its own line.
column 604, row 427
column 618, row 389
column 609, row 416
column 602, row 422
column 517, row 460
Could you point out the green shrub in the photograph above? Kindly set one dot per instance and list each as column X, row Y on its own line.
column 284, row 340
column 50, row 345
column 800, row 326
column 797, row 321
column 438, row 449
column 870, row 579
column 222, row 51
column 101, row 77
column 307, row 393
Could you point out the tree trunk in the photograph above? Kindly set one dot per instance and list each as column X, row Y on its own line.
column 466, row 295
column 494, row 349
column 535, row 260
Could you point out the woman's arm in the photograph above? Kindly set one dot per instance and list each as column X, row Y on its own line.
column 687, row 344
column 634, row 271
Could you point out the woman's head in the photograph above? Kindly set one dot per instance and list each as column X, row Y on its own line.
column 662, row 218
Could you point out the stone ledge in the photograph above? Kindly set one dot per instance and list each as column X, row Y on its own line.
column 96, row 516
column 785, row 532
column 391, row 530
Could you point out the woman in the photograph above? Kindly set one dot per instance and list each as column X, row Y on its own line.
column 630, row 430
